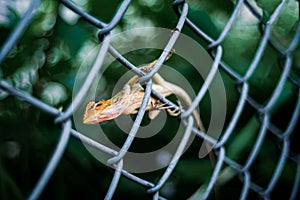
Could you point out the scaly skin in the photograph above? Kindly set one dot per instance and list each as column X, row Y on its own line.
column 129, row 100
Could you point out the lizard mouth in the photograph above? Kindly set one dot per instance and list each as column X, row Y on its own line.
column 89, row 118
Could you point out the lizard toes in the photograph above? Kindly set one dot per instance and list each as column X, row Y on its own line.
column 174, row 112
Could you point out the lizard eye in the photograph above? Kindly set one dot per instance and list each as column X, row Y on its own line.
column 92, row 106
column 95, row 105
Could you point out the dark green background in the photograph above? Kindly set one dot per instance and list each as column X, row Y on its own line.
column 45, row 63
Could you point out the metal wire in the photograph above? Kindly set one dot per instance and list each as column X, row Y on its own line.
column 63, row 119
column 20, row 28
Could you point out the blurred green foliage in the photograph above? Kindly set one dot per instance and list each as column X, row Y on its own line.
column 45, row 63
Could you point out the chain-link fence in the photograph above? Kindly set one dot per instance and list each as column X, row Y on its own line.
column 274, row 114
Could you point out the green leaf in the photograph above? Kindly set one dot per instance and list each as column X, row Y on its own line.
column 54, row 93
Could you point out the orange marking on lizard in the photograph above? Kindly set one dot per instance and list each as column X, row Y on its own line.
column 95, row 112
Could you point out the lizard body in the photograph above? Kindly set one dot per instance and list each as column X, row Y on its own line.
column 129, row 100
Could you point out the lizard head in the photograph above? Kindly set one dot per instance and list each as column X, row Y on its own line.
column 100, row 111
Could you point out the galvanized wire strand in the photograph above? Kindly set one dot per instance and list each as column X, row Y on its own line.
column 135, row 126
column 278, row 170
column 168, row 47
column 93, row 143
column 115, row 20
column 27, row 98
column 254, row 103
column 258, row 142
column 296, row 185
column 203, row 135
column 87, row 83
column 277, row 46
column 227, row 69
column 233, row 164
column 256, row 188
column 295, row 41
column 189, row 23
column 293, row 122
column 235, row 117
column 294, row 79
column 98, row 146
column 155, row 196
column 53, row 162
column 115, row 180
column 137, row 179
column 176, row 156
column 161, row 198
column 278, row 89
column 125, row 62
column 214, row 176
column 246, row 185
column 206, row 84
column 86, row 16
column 275, row 130
column 228, row 25
column 263, row 43
column 294, row 119
column 16, row 34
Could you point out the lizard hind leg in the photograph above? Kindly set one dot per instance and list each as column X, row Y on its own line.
column 157, row 106
column 175, row 111
column 154, row 109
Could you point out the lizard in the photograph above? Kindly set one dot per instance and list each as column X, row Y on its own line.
column 129, row 100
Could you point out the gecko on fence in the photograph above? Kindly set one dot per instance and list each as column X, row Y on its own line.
column 129, row 100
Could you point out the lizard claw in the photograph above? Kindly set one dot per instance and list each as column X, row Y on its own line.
column 161, row 106
column 174, row 112
column 164, row 106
